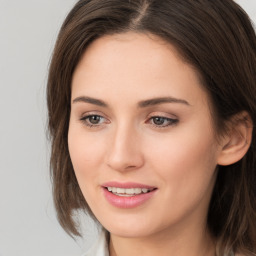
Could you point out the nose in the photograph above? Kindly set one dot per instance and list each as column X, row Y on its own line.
column 125, row 150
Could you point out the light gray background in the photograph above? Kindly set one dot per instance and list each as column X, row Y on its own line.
column 28, row 226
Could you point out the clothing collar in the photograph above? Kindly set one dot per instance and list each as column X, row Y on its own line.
column 100, row 247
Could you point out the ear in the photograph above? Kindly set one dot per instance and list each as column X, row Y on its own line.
column 236, row 142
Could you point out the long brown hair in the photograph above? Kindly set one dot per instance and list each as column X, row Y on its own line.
column 214, row 36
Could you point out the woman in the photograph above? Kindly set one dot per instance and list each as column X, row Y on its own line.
column 152, row 113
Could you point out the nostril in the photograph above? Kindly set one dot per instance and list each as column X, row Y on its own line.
column 130, row 167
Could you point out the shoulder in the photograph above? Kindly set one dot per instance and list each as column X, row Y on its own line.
column 100, row 247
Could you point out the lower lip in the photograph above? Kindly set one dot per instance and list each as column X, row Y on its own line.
column 127, row 201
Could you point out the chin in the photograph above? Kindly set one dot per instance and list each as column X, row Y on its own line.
column 130, row 228
column 130, row 232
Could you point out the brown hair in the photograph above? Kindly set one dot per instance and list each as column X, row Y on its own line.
column 214, row 36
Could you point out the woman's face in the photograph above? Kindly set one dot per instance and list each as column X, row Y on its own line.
column 141, row 127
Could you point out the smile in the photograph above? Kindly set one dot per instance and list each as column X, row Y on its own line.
column 128, row 191
column 127, row 195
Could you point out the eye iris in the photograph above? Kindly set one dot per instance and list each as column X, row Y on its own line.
column 94, row 119
column 158, row 120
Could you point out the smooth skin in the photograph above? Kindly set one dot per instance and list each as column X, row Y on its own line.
column 140, row 114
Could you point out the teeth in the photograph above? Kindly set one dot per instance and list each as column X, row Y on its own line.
column 144, row 190
column 128, row 191
column 137, row 190
column 120, row 190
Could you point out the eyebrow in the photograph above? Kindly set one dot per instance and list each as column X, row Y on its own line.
column 91, row 101
column 156, row 101
column 141, row 104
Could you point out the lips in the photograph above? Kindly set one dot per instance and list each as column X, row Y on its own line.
column 127, row 195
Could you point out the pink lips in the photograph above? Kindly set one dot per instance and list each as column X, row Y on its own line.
column 129, row 201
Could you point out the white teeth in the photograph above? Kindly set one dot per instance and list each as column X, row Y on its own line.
column 137, row 190
column 120, row 190
column 128, row 191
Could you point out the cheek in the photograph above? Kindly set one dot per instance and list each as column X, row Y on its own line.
column 86, row 154
column 185, row 169
column 186, row 160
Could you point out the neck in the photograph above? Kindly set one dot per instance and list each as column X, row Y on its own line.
column 164, row 244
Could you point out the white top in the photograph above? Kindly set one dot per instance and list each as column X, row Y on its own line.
column 100, row 248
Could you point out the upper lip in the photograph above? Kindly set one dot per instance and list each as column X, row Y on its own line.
column 126, row 185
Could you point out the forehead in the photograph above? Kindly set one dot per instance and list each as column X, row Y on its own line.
column 129, row 48
column 139, row 65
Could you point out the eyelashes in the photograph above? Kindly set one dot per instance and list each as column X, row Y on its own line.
column 94, row 120
column 97, row 121
column 162, row 122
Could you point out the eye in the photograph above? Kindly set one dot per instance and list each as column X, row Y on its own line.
column 160, row 121
column 93, row 120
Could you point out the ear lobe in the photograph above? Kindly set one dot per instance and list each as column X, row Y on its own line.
column 237, row 142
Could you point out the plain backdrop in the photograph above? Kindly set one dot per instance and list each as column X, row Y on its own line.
column 28, row 225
